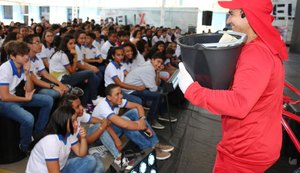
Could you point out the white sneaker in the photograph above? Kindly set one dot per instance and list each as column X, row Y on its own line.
column 125, row 162
column 101, row 150
column 97, row 100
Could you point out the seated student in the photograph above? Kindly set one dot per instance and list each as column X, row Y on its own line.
column 63, row 66
column 130, row 54
column 92, row 54
column 114, row 74
column 100, row 132
column 148, row 75
column 50, row 85
column 16, row 91
column 132, row 123
column 169, row 67
column 111, row 42
column 123, row 37
column 50, row 153
column 48, row 48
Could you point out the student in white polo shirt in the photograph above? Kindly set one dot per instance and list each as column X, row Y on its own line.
column 114, row 74
column 48, row 48
column 16, row 91
column 132, row 123
column 63, row 66
column 44, row 82
column 51, row 152
column 111, row 42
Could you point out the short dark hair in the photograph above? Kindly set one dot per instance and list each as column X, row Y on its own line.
column 109, row 88
column 92, row 35
column 159, row 55
column 15, row 48
column 29, row 38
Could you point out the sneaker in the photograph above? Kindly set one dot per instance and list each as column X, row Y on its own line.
column 165, row 148
column 161, row 155
column 76, row 91
column 166, row 118
column 97, row 100
column 125, row 162
column 101, row 150
column 157, row 125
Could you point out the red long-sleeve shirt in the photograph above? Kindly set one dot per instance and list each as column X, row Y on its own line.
column 251, row 110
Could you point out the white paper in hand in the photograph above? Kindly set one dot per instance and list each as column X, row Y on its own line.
column 184, row 78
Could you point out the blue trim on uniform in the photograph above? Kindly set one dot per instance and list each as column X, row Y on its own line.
column 50, row 160
column 110, row 115
column 90, row 119
column 86, row 46
column 79, row 45
column 60, row 137
column 41, row 70
column 4, row 84
column 116, row 65
column 15, row 70
column 34, row 59
column 125, row 104
column 74, row 143
column 114, row 76
column 113, row 44
column 112, row 108
column 66, row 65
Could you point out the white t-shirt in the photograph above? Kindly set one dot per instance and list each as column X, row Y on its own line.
column 104, row 110
column 50, row 148
column 10, row 77
column 105, row 48
column 57, row 65
column 138, row 61
column 126, row 66
column 80, row 50
column 45, row 53
column 91, row 53
column 112, row 71
column 36, row 67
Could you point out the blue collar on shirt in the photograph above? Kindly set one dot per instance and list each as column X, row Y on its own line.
column 79, row 45
column 86, row 46
column 15, row 70
column 116, row 65
column 34, row 59
column 61, row 138
column 126, row 62
column 114, row 44
column 112, row 108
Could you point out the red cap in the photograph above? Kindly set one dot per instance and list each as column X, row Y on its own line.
column 258, row 14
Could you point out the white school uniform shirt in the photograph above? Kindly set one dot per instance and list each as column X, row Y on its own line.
column 80, row 50
column 105, row 48
column 144, row 75
column 9, row 76
column 112, row 71
column 97, row 44
column 45, row 53
column 85, row 118
column 50, row 148
column 138, row 61
column 104, row 109
column 36, row 67
column 57, row 65
column 126, row 66
column 91, row 53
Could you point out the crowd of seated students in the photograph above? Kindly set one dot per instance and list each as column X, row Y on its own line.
column 75, row 64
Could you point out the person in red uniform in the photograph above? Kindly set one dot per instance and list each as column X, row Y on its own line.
column 251, row 109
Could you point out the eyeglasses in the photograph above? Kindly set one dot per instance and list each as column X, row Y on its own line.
column 37, row 42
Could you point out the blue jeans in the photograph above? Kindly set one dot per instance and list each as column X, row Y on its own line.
column 50, row 92
column 90, row 93
column 106, row 140
column 132, row 98
column 85, row 164
column 134, row 135
column 154, row 97
column 14, row 110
